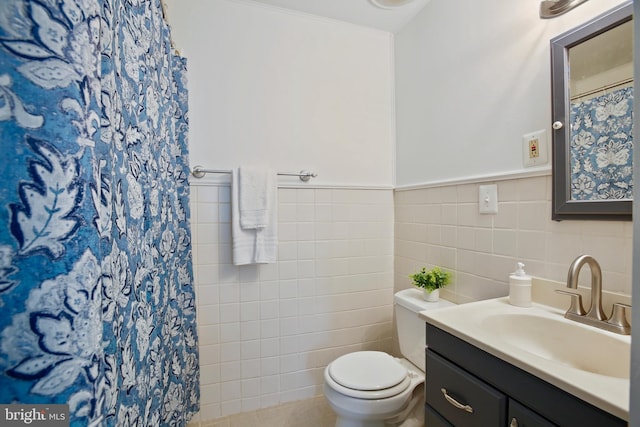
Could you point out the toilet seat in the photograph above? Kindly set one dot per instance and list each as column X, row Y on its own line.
column 368, row 375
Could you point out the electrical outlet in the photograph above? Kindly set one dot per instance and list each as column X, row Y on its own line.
column 534, row 148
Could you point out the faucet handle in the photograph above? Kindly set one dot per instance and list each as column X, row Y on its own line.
column 619, row 317
column 576, row 303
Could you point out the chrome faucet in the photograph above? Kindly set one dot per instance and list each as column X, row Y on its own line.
column 595, row 315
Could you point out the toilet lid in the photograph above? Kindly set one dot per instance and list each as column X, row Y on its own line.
column 367, row 371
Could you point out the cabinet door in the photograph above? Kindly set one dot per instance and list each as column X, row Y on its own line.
column 461, row 398
column 521, row 416
column 433, row 419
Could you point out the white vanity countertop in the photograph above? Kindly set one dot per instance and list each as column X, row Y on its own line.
column 473, row 322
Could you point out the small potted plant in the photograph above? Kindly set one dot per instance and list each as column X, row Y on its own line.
column 431, row 281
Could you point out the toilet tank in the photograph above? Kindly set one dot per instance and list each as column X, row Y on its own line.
column 410, row 327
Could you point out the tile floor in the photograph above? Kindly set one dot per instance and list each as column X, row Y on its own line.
column 313, row 412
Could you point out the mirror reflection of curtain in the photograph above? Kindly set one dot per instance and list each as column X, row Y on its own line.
column 602, row 146
column 96, row 281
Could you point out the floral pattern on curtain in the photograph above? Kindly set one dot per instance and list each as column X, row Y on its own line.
column 96, row 280
column 602, row 146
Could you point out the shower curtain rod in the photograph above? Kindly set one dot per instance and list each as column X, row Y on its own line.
column 200, row 171
column 603, row 88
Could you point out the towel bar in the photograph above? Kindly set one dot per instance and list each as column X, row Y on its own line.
column 200, row 171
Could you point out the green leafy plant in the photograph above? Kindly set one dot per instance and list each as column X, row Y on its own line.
column 432, row 279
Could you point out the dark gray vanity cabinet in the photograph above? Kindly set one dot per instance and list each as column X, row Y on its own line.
column 468, row 387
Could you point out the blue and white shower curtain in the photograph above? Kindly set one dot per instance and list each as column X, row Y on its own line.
column 96, row 281
column 602, row 146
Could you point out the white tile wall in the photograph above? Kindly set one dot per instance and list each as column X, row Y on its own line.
column 442, row 226
column 267, row 332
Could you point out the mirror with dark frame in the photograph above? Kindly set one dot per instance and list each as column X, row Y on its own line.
column 592, row 107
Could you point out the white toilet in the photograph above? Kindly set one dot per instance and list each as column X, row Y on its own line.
column 375, row 389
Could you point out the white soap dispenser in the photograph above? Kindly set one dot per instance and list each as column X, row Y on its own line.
column 520, row 288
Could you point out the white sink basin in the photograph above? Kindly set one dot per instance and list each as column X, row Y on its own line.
column 565, row 342
column 587, row 362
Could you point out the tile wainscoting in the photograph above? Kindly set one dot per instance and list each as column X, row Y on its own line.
column 440, row 225
column 266, row 332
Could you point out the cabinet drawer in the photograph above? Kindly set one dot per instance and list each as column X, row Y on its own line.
column 461, row 398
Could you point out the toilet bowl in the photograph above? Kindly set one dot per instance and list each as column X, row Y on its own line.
column 369, row 388
column 375, row 389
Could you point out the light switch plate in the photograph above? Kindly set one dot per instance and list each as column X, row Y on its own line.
column 534, row 148
column 488, row 199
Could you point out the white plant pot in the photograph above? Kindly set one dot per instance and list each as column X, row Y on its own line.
column 432, row 296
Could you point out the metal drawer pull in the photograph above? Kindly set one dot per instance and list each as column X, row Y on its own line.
column 455, row 403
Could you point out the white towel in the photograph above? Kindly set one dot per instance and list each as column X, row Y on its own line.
column 254, row 245
column 255, row 195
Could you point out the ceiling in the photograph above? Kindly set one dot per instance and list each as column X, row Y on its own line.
column 359, row 12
